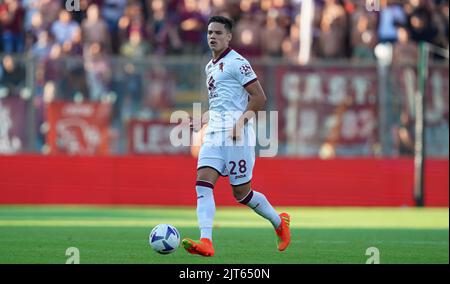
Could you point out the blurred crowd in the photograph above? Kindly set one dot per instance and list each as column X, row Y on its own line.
column 137, row 28
column 103, row 35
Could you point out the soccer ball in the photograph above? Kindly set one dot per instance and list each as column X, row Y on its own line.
column 164, row 238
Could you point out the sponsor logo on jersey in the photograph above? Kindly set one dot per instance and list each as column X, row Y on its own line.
column 212, row 88
column 211, row 84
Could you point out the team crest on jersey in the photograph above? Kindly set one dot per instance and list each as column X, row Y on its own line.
column 221, row 66
column 246, row 70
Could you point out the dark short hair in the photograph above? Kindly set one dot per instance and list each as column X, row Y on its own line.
column 223, row 20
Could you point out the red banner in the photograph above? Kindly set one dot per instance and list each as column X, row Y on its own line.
column 79, row 128
column 328, row 110
column 12, row 125
column 152, row 137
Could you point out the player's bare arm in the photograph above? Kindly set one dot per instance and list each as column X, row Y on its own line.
column 256, row 103
column 204, row 121
column 205, row 117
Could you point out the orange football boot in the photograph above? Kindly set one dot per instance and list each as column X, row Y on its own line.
column 204, row 247
column 283, row 232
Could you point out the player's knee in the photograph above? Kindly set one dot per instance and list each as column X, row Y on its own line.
column 240, row 193
column 208, row 175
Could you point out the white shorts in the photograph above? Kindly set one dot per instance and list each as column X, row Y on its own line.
column 234, row 159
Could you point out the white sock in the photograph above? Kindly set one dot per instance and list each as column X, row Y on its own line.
column 206, row 208
column 259, row 203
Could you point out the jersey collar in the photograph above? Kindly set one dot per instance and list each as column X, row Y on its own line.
column 222, row 55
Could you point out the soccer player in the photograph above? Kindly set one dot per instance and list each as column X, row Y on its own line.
column 235, row 95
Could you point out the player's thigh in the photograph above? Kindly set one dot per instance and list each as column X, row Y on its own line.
column 210, row 164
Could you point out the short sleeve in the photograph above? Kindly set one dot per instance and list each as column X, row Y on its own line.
column 244, row 72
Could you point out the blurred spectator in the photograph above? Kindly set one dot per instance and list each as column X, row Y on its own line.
column 158, row 25
column 316, row 29
column 12, row 75
column 265, row 5
column 165, row 37
column 232, row 10
column 392, row 14
column 218, row 7
column 192, row 27
column 420, row 21
column 37, row 26
column 405, row 51
column 75, row 85
column 285, row 11
column 291, row 44
column 11, row 18
column 41, row 49
column 75, row 46
column 50, row 10
column 54, row 66
column 172, row 8
column 404, row 135
column 129, row 88
column 98, row 72
column 31, row 7
column 246, row 37
column 49, row 93
column 132, row 20
column 204, row 8
column 135, row 47
column 172, row 42
column 363, row 34
column 272, row 36
column 441, row 21
column 64, row 30
column 112, row 11
column 333, row 28
column 79, row 16
column 95, row 30
column 341, row 28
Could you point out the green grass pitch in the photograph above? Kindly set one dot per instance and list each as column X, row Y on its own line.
column 41, row 234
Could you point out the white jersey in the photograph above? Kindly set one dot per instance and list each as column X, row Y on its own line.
column 226, row 79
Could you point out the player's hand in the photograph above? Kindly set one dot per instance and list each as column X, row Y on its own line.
column 195, row 127
column 203, row 122
column 236, row 133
